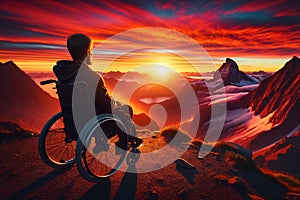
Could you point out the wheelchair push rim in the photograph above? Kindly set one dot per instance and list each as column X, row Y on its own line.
column 95, row 166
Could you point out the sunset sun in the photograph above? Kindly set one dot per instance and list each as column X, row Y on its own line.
column 159, row 71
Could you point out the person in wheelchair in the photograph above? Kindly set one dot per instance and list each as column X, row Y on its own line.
column 80, row 48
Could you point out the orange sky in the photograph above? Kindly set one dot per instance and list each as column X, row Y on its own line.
column 257, row 36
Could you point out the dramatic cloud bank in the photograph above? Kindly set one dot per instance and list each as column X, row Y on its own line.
column 34, row 34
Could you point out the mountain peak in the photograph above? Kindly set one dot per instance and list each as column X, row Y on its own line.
column 279, row 93
column 12, row 69
column 231, row 75
column 230, row 60
column 232, row 64
column 8, row 63
column 22, row 100
column 294, row 59
column 290, row 68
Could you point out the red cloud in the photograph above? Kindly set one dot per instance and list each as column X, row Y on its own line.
column 49, row 23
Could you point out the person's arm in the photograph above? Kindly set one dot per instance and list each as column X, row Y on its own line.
column 103, row 101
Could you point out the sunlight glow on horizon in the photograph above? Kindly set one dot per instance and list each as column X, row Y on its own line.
column 158, row 71
column 245, row 64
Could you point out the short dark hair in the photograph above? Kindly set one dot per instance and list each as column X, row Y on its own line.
column 78, row 45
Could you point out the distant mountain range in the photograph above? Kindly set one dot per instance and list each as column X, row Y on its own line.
column 258, row 115
column 271, row 102
column 22, row 100
column 273, row 130
column 263, row 117
column 260, row 75
column 26, row 105
column 276, row 93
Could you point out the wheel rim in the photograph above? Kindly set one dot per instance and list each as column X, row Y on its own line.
column 105, row 161
column 56, row 149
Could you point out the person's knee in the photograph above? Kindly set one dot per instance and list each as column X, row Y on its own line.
column 127, row 109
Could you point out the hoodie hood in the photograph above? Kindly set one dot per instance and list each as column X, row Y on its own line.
column 66, row 71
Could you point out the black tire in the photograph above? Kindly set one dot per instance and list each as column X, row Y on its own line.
column 94, row 165
column 53, row 149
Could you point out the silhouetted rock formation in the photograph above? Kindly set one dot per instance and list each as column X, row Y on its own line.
column 11, row 131
column 22, row 101
column 231, row 75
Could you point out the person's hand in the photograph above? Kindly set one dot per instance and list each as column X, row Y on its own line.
column 118, row 103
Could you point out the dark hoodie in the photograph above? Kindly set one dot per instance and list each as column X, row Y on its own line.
column 66, row 72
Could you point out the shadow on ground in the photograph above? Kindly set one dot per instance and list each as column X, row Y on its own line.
column 38, row 183
column 189, row 174
column 127, row 188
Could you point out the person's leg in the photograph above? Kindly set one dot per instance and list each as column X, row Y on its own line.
column 70, row 131
column 122, row 142
column 125, row 113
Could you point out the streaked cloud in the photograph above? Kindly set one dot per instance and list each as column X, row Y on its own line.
column 37, row 31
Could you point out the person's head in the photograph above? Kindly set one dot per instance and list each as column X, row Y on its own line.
column 80, row 47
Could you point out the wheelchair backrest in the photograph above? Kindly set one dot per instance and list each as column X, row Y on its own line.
column 67, row 103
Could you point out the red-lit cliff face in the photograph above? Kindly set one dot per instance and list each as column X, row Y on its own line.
column 22, row 101
column 279, row 93
column 275, row 104
column 282, row 155
column 277, row 101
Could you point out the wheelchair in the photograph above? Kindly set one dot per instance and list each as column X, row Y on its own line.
column 95, row 152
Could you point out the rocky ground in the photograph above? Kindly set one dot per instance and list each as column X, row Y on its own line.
column 217, row 176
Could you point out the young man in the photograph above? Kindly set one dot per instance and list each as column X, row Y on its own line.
column 80, row 48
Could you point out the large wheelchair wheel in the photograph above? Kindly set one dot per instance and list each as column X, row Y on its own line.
column 97, row 156
column 53, row 149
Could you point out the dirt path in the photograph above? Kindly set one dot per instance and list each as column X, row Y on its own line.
column 25, row 176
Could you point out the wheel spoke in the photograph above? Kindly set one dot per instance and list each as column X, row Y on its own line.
column 103, row 164
column 58, row 153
